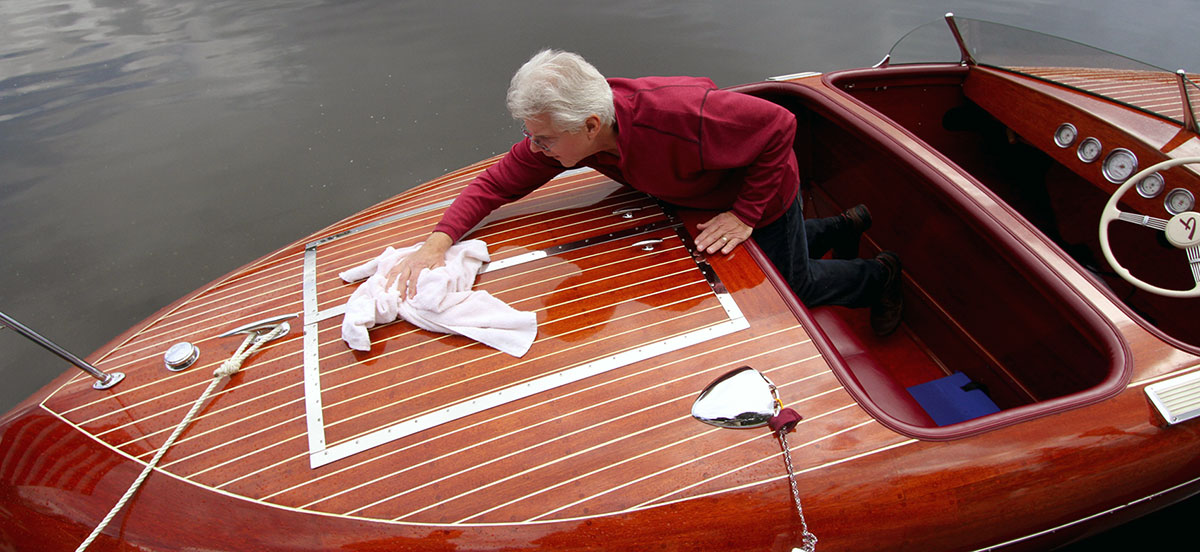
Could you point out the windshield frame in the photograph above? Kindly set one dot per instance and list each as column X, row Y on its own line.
column 1044, row 57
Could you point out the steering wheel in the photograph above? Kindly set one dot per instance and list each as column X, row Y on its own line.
column 1182, row 230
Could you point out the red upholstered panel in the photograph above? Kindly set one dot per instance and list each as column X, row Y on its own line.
column 874, row 378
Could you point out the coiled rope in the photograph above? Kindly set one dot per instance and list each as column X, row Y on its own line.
column 228, row 368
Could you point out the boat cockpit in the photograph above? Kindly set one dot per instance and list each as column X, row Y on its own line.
column 976, row 138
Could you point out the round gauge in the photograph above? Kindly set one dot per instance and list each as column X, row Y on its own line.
column 1151, row 186
column 1065, row 135
column 1119, row 165
column 1178, row 201
column 1089, row 150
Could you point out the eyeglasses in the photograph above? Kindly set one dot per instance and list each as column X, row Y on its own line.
column 544, row 146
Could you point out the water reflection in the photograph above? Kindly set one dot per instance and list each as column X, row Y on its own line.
column 66, row 54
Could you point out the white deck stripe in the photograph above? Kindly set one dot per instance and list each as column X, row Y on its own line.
column 528, row 389
column 321, row 453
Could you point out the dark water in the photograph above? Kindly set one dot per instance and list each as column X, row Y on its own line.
column 148, row 147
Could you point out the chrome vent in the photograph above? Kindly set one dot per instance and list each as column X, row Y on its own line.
column 1177, row 399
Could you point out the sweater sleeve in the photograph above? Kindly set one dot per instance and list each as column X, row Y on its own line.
column 513, row 177
column 755, row 135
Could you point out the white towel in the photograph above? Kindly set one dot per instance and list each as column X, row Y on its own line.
column 444, row 302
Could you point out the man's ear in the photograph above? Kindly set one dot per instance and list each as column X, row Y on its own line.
column 592, row 125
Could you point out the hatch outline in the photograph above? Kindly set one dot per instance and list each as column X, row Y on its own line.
column 321, row 454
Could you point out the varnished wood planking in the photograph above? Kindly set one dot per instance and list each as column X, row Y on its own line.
column 1156, row 91
column 251, row 439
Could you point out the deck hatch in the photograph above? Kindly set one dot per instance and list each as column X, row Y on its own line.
column 324, row 449
column 1176, row 399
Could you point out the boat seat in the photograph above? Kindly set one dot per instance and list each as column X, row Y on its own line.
column 883, row 390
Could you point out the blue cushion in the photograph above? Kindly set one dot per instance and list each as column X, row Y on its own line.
column 947, row 403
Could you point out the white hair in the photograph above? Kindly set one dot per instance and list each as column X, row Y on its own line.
column 562, row 86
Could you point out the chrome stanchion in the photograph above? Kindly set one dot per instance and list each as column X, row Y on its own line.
column 104, row 380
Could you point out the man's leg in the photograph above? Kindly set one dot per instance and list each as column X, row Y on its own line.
column 851, row 283
column 839, row 233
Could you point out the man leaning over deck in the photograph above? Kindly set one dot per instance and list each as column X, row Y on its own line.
column 685, row 142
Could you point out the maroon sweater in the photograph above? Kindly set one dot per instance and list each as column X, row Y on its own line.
column 681, row 139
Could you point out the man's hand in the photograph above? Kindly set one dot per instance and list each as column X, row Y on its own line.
column 722, row 233
column 431, row 255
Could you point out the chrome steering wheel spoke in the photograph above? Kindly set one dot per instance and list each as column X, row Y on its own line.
column 1143, row 220
column 1193, row 254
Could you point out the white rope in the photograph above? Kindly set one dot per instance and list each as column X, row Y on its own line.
column 228, row 368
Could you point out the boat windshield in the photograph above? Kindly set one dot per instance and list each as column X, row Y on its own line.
column 1041, row 56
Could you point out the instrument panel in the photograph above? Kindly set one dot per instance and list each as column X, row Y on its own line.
column 1119, row 164
column 1101, row 141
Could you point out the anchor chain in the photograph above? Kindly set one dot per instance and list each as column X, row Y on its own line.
column 807, row 539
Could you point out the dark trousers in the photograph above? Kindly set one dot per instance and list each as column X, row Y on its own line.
column 790, row 241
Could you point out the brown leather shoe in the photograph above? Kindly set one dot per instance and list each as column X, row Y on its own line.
column 858, row 220
column 887, row 313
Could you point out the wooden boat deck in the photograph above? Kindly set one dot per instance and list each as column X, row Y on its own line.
column 434, row 429
column 1153, row 91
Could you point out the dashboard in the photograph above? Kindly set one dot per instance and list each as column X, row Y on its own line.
column 1103, row 142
